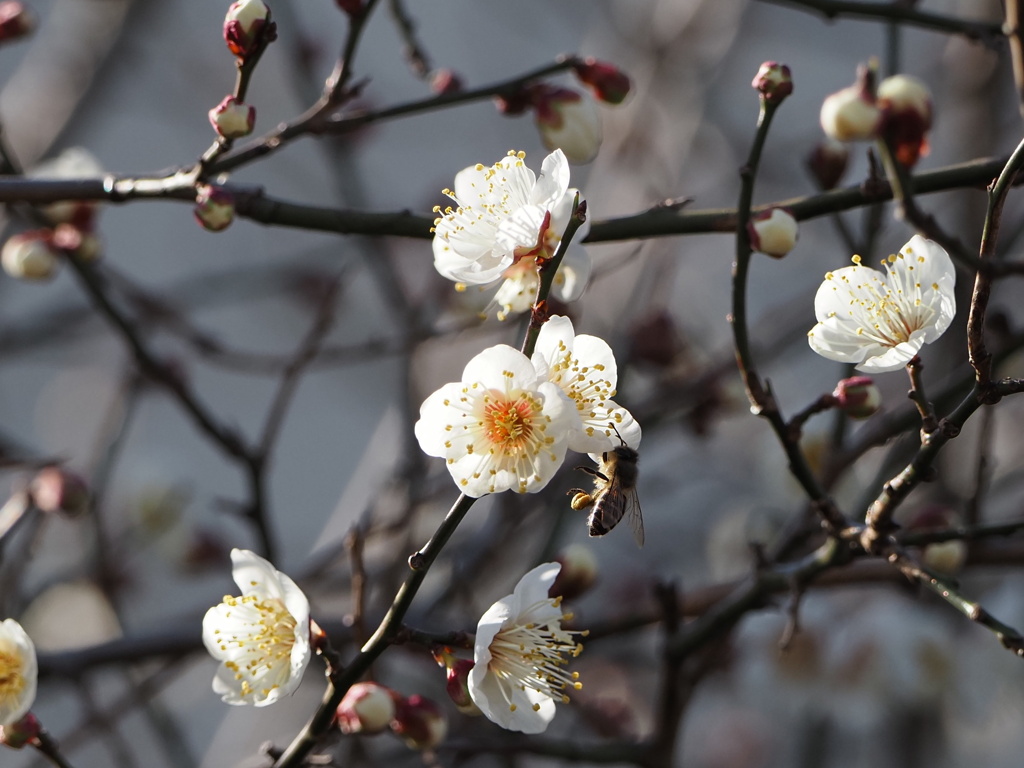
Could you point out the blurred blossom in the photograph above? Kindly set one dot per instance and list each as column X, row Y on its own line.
column 58, row 491
column 881, row 321
column 827, row 162
column 567, row 120
column 852, row 114
column 24, row 731
column 18, row 672
column 520, row 656
column 578, row 574
column 505, row 213
column 30, row 256
column 366, row 708
column 503, row 427
column 444, row 81
column 584, row 368
column 773, row 232
column 80, row 604
column 232, row 118
column 261, row 638
column 945, row 558
column 419, row 722
column 15, row 21
column 608, row 83
column 351, row 7
column 907, row 106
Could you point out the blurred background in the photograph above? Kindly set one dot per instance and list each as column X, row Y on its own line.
column 879, row 674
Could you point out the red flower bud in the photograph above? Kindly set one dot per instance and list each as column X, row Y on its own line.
column 609, row 83
column 419, row 722
column 773, row 81
column 858, row 396
column 247, row 27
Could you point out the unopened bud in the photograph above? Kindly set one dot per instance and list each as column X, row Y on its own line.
column 946, row 558
column 351, row 7
column 567, row 120
column 827, row 162
column 773, row 81
column 608, row 83
column 578, row 574
column 247, row 27
column 514, row 103
column 773, row 232
column 366, row 708
column 232, row 118
column 852, row 114
column 419, row 722
column 906, row 104
column 58, row 491
column 30, row 255
column 15, row 21
column 858, row 397
column 18, row 734
column 81, row 243
column 457, row 684
column 445, row 81
column 214, row 208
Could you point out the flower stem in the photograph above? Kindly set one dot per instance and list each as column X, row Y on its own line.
column 47, row 746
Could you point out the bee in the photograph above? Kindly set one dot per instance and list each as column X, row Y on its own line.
column 614, row 493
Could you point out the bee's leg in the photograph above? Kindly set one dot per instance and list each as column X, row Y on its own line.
column 594, row 472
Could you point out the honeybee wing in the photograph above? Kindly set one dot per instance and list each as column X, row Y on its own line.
column 609, row 507
column 636, row 519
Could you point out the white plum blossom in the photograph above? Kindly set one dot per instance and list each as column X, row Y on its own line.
column 584, row 368
column 262, row 637
column 518, row 291
column 18, row 672
column 505, row 213
column 881, row 320
column 501, row 428
column 520, row 654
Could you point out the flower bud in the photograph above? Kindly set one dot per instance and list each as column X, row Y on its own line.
column 458, row 680
column 852, row 114
column 827, row 162
column 946, row 558
column 773, row 81
column 58, row 491
column 18, row 734
column 15, row 21
column 30, row 256
column 608, row 83
column 367, row 708
column 351, row 7
column 420, row 722
column 232, row 118
column 578, row 574
column 247, row 27
column 82, row 243
column 906, row 103
column 214, row 208
column 773, row 232
column 858, row 397
column 567, row 120
column 445, row 81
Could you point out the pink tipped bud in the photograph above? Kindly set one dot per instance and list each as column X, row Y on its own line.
column 58, row 491
column 773, row 232
column 852, row 113
column 18, row 734
column 608, row 83
column 827, row 162
column 351, row 7
column 214, row 208
column 445, row 81
column 82, row 243
column 419, row 722
column 30, row 255
column 906, row 104
column 247, row 27
column 858, row 397
column 458, row 680
column 367, row 708
column 578, row 574
column 567, row 120
column 15, row 21
column 232, row 118
column 773, row 81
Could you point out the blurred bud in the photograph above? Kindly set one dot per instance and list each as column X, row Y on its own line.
column 81, row 243
column 367, row 708
column 445, row 81
column 232, row 118
column 15, row 21
column 567, row 120
column 18, row 734
column 514, row 103
column 30, row 255
column 654, row 339
column 773, row 81
column 858, row 397
column 214, row 208
column 420, row 722
column 351, row 7
column 608, row 83
column 457, row 680
column 827, row 162
column 773, row 232
column 578, row 574
column 58, row 491
column 852, row 114
column 906, row 104
column 946, row 558
column 247, row 27
column 78, row 213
